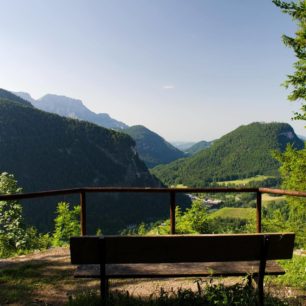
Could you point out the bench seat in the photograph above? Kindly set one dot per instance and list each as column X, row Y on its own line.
column 164, row 270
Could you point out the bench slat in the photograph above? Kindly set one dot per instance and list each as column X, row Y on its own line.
column 180, row 248
column 178, row 270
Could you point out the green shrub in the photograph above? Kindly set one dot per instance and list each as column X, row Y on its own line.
column 295, row 273
column 15, row 237
column 67, row 223
column 208, row 295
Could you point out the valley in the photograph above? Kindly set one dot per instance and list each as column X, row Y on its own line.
column 46, row 151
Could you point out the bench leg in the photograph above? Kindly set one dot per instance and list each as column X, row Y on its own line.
column 104, row 286
column 260, row 288
column 262, row 268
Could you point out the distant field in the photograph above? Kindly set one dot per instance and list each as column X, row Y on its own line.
column 179, row 186
column 267, row 198
column 232, row 212
column 257, row 178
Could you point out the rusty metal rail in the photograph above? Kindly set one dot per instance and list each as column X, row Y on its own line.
column 171, row 191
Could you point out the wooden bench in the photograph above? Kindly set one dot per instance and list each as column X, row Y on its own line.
column 109, row 257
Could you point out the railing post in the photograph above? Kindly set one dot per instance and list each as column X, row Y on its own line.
column 258, row 212
column 83, row 212
column 172, row 212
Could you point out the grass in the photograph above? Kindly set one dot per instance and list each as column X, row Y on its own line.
column 267, row 198
column 24, row 282
column 179, row 186
column 238, row 295
column 233, row 212
column 295, row 273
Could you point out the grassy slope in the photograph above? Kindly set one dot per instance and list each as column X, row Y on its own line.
column 232, row 212
column 258, row 178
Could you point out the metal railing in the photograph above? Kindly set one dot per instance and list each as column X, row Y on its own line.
column 171, row 191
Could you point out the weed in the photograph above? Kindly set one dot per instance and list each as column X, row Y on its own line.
column 207, row 295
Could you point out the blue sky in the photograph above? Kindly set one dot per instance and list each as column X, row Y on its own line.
column 188, row 70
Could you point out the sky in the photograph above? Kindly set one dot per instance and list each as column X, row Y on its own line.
column 188, row 70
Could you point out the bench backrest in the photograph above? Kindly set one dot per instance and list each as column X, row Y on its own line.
column 179, row 248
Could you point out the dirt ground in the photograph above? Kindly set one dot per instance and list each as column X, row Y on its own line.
column 54, row 268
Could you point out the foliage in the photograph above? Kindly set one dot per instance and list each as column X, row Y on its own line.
column 242, row 153
column 15, row 238
column 293, row 162
column 152, row 148
column 295, row 273
column 67, row 223
column 198, row 220
column 297, row 80
column 12, row 231
column 208, row 295
column 292, row 170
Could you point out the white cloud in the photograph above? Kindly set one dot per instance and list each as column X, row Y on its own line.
column 168, row 87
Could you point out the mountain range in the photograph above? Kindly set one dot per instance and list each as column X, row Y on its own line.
column 151, row 147
column 72, row 108
column 46, row 151
column 244, row 152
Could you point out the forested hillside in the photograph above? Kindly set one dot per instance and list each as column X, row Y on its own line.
column 4, row 94
column 45, row 151
column 197, row 147
column 152, row 148
column 244, row 152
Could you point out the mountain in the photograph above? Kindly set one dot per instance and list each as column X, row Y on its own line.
column 197, row 147
column 244, row 152
column 182, row 145
column 72, row 108
column 152, row 149
column 46, row 151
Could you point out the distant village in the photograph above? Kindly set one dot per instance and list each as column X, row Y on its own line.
column 208, row 202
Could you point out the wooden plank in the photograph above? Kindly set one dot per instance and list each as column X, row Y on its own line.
column 179, row 270
column 85, row 250
column 180, row 248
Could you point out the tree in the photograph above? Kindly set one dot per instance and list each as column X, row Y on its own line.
column 293, row 162
column 297, row 80
column 293, row 171
column 67, row 223
column 12, row 231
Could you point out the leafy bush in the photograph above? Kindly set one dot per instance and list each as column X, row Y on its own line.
column 295, row 273
column 67, row 223
column 12, row 231
column 15, row 238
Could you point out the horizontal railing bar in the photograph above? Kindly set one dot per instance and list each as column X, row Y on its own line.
column 167, row 190
column 146, row 190
column 283, row 192
column 39, row 194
